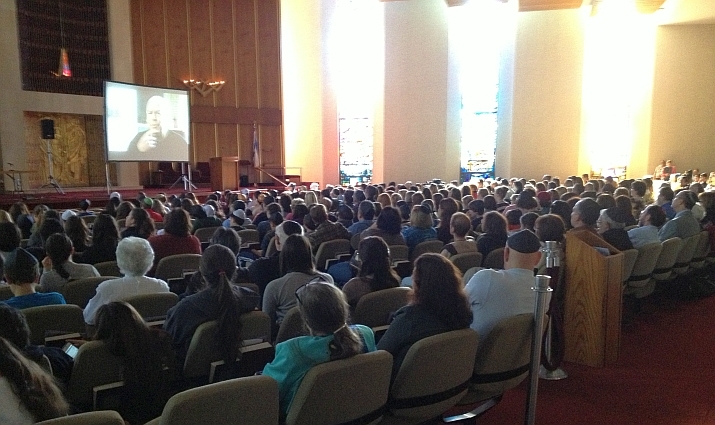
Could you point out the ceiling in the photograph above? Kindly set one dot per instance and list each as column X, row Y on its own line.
column 687, row 12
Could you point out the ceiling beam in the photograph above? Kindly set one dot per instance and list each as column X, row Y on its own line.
column 537, row 5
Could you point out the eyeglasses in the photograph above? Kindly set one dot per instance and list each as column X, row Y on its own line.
column 302, row 287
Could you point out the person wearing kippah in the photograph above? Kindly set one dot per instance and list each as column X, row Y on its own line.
column 498, row 294
column 611, row 226
column 22, row 272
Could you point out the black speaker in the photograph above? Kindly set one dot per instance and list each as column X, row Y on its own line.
column 244, row 181
column 48, row 128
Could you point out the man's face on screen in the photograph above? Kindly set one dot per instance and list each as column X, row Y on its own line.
column 153, row 113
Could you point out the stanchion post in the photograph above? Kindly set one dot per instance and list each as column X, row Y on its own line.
column 542, row 289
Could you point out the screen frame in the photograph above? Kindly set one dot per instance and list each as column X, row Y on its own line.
column 138, row 87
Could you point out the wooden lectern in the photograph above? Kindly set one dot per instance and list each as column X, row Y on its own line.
column 592, row 301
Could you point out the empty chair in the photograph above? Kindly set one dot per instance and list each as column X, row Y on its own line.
column 434, row 376
column 80, row 291
column 329, row 250
column 101, row 417
column 50, row 322
column 94, row 366
column 247, row 401
column 629, row 260
column 640, row 283
column 375, row 309
column 663, row 271
column 153, row 307
column 399, row 253
column 291, row 326
column 108, row 268
column 343, row 391
column 205, row 233
column 432, row 245
column 495, row 259
column 502, row 363
column 174, row 266
column 466, row 260
column 682, row 262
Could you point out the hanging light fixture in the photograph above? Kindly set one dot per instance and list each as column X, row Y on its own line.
column 64, row 69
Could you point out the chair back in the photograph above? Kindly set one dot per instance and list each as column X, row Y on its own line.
column 5, row 292
column 108, row 268
column 502, row 360
column 469, row 274
column 431, row 245
column 399, row 253
column 427, row 384
column 251, row 400
column 271, row 247
column 205, row 233
column 363, row 380
column 375, row 309
column 664, row 266
column 55, row 319
column 291, row 326
column 101, row 417
column 329, row 250
column 495, row 259
column 682, row 263
column 355, row 241
column 153, row 306
column 93, row 366
column 466, row 261
column 248, row 236
column 80, row 291
column 640, row 282
column 174, row 266
column 701, row 251
column 629, row 260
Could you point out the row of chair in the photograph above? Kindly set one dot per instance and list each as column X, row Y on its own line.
column 437, row 373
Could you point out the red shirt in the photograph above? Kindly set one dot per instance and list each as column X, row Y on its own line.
column 166, row 244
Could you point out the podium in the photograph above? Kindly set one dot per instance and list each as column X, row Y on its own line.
column 225, row 172
column 592, row 300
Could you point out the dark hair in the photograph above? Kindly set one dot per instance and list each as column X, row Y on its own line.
column 319, row 214
column 10, row 236
column 490, row 202
column 477, row 206
column 105, row 231
column 438, row 288
column 639, row 187
column 495, row 224
column 513, row 217
column 528, row 220
column 124, row 209
column 299, row 212
column 59, row 248
column 177, row 223
column 217, row 266
column 78, row 232
column 325, row 311
column 550, row 227
column 605, row 201
column 36, row 389
column 447, row 207
column 49, row 227
column 667, row 193
column 589, row 211
column 375, row 264
column 228, row 238
column 13, row 326
column 657, row 215
column 563, row 210
column 296, row 255
column 142, row 222
column 367, row 210
column 390, row 221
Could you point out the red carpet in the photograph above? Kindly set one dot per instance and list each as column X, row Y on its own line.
column 665, row 375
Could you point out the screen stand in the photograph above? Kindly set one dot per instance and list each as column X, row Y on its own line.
column 106, row 173
column 185, row 179
column 51, row 182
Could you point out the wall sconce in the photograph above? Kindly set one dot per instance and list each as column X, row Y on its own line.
column 204, row 87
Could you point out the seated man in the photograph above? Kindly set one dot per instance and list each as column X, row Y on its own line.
column 684, row 224
column 611, row 226
column 665, row 201
column 22, row 273
column 325, row 230
column 650, row 221
column 366, row 215
column 266, row 269
column 584, row 216
column 497, row 294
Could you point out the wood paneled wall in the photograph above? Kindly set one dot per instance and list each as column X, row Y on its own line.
column 237, row 41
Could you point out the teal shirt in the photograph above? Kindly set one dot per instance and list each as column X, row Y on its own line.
column 295, row 357
column 35, row 300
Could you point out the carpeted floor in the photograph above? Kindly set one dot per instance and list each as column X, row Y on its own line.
column 665, row 375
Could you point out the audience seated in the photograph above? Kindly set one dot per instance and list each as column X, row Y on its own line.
column 22, row 273
column 375, row 272
column 28, row 394
column 494, row 226
column 325, row 230
column 584, row 216
column 105, row 237
column 325, row 312
column 365, row 215
column 447, row 208
column 459, row 227
column 78, row 232
column 58, row 267
column 420, row 228
column 651, row 220
column 611, row 226
column 439, row 305
column 10, row 238
column 684, row 224
column 139, row 224
column 134, row 259
column 177, row 237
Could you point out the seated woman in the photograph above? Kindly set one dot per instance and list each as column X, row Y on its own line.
column 375, row 271
column 420, row 228
column 28, row 394
column 139, row 224
column 134, row 259
column 550, row 227
column 105, row 237
column 325, row 313
column 177, row 237
column 218, row 301
column 58, row 267
column 148, row 360
column 78, row 232
column 459, row 227
column 495, row 233
column 439, row 305
column 22, row 272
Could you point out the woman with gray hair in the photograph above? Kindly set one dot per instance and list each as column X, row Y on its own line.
column 134, row 258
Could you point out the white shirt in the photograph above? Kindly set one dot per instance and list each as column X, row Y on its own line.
column 120, row 289
column 12, row 412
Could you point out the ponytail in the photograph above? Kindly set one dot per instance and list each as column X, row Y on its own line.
column 346, row 343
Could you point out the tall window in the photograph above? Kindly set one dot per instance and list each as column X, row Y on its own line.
column 476, row 31
column 357, row 42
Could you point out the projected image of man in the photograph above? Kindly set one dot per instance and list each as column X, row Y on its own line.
column 158, row 142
